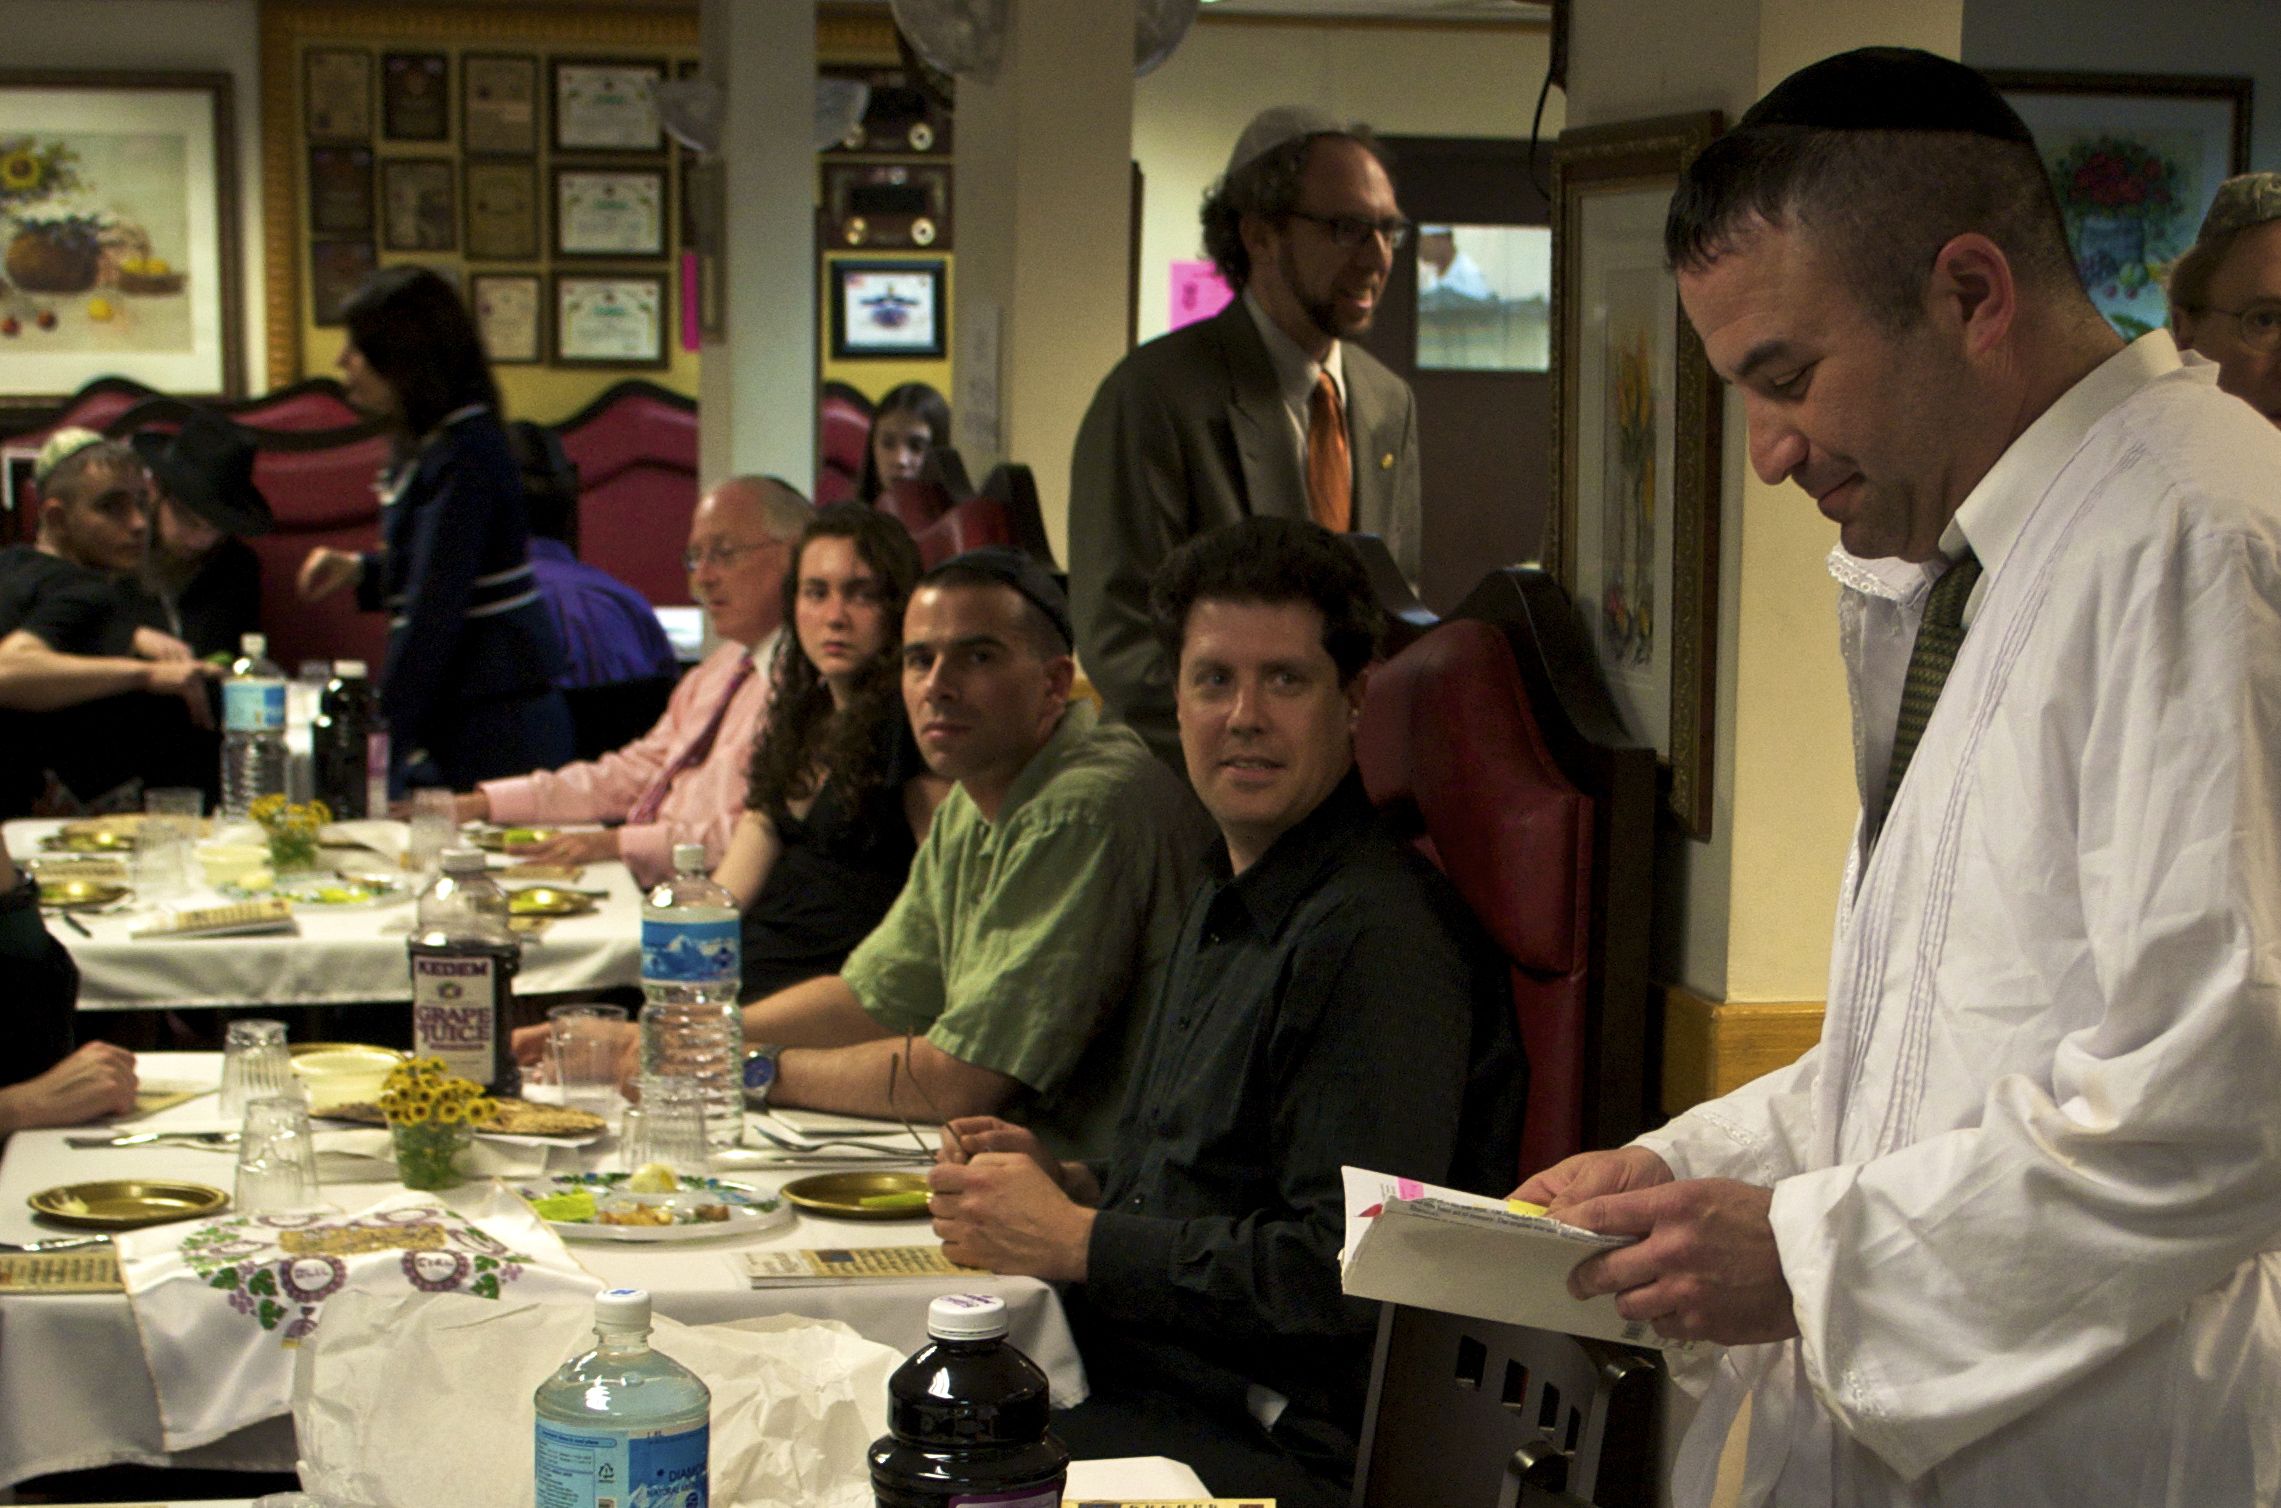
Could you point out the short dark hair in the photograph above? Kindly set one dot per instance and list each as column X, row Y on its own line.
column 904, row 398
column 1881, row 203
column 412, row 329
column 1267, row 186
column 1271, row 561
column 1042, row 634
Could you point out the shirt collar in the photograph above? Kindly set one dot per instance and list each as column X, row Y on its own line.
column 1992, row 514
column 1294, row 369
column 763, row 654
column 1294, row 864
column 1077, row 721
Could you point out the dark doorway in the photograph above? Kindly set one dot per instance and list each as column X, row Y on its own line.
column 1482, row 435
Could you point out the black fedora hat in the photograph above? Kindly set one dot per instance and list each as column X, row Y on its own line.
column 207, row 467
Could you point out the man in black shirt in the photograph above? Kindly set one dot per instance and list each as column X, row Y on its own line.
column 89, row 700
column 1330, row 1002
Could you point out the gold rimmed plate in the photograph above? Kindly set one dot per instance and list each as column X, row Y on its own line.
column 548, row 900
column 90, row 840
column 79, row 895
column 125, row 1203
column 501, row 839
column 861, row 1195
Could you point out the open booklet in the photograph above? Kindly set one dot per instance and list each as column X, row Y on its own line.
column 1433, row 1248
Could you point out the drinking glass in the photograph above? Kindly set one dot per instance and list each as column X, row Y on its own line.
column 277, row 1157
column 255, row 1065
column 435, row 826
column 671, row 1126
column 165, row 866
column 583, row 1043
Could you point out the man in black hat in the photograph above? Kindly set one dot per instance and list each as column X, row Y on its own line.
column 2011, row 1232
column 1012, row 974
column 199, row 580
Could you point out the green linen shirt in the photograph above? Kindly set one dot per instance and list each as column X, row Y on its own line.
column 1035, row 945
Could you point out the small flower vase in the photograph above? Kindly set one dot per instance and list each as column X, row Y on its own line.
column 293, row 852
column 427, row 1153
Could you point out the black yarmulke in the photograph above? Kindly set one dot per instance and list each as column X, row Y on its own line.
column 1889, row 89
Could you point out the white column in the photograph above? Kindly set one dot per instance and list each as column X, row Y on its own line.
column 757, row 389
column 1044, row 207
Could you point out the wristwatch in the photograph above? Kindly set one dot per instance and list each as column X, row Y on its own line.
column 760, row 1075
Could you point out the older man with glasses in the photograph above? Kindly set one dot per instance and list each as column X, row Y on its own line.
column 1267, row 410
column 684, row 780
column 2225, row 292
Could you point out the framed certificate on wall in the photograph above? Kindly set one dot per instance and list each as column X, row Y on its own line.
column 613, row 319
column 609, row 212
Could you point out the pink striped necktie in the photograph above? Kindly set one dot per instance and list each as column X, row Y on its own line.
column 653, row 800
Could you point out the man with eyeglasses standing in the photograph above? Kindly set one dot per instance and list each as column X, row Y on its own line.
column 1265, row 410
column 2225, row 293
column 684, row 780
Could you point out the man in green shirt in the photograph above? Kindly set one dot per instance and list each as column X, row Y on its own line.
column 1040, row 910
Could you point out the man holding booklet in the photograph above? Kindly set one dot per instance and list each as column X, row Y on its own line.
column 1330, row 1001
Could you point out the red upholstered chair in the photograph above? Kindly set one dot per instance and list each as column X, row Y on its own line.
column 843, row 429
column 1541, row 813
column 972, row 524
column 636, row 452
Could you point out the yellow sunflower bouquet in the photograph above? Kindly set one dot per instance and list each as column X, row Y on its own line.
column 292, row 828
column 432, row 1115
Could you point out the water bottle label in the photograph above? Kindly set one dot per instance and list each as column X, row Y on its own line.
column 455, row 1013
column 690, row 952
column 253, row 706
column 621, row 1469
column 1026, row 1498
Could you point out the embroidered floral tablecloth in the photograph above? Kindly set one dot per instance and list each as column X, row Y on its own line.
column 220, row 1305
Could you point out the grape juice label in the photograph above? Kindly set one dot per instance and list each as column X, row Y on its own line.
column 455, row 1010
column 690, row 952
column 253, row 706
column 605, row 1468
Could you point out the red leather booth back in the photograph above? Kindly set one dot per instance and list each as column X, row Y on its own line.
column 636, row 451
column 844, row 428
column 1447, row 728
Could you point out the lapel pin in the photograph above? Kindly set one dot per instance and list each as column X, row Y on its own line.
column 1386, row 461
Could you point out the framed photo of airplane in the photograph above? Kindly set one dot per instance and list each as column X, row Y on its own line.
column 889, row 308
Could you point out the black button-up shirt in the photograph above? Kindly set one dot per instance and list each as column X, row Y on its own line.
column 1334, row 1004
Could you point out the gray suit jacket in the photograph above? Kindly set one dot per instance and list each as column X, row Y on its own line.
column 1188, row 433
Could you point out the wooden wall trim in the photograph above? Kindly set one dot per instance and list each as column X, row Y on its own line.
column 1711, row 1046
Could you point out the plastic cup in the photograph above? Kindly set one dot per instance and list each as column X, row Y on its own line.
column 435, row 826
column 277, row 1158
column 583, row 1044
column 255, row 1065
column 670, row 1127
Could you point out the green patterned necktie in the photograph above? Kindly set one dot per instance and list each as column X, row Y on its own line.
column 1938, row 638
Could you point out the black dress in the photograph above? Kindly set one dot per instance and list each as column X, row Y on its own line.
column 839, row 870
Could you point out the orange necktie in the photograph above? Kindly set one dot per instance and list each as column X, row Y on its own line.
column 1330, row 474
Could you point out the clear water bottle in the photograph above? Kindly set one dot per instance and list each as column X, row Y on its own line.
column 622, row 1425
column 967, row 1417
column 464, row 958
column 304, row 694
column 339, row 743
column 691, row 950
column 253, row 729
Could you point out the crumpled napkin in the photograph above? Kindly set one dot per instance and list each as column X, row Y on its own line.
column 383, row 1397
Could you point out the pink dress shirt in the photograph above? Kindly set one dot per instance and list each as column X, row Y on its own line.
column 705, row 800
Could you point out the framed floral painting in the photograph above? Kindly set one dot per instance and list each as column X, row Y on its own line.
column 2135, row 159
column 1633, row 533
column 118, row 234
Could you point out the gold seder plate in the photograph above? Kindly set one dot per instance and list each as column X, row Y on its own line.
column 90, row 840
column 547, row 900
column 124, row 1203
column 79, row 895
column 841, row 1194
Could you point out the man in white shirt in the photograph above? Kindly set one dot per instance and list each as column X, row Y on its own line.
column 1267, row 410
column 2011, row 1233
column 684, row 780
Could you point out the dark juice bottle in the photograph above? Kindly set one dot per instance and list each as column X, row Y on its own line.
column 966, row 1419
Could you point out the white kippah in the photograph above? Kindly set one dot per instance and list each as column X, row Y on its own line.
column 61, row 447
column 1278, row 124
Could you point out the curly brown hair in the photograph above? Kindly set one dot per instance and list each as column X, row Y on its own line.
column 806, row 733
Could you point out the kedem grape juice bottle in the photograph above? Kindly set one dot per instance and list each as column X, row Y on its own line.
column 966, row 1419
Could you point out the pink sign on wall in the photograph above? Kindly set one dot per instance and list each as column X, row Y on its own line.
column 1198, row 292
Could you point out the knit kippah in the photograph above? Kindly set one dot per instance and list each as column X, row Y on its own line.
column 1889, row 89
column 2251, row 199
column 61, row 447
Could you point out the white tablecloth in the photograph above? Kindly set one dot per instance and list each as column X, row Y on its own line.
column 341, row 956
column 75, row 1391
